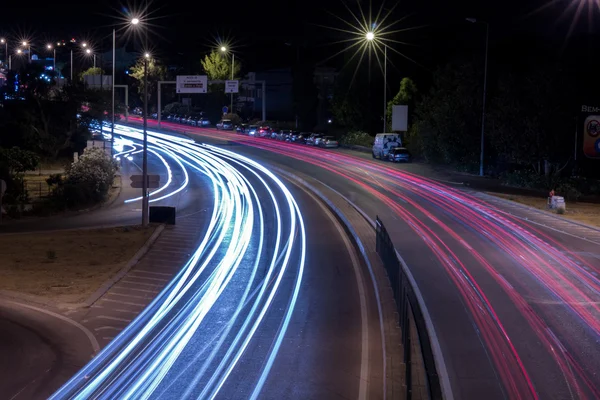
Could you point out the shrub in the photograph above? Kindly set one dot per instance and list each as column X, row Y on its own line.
column 357, row 138
column 560, row 211
column 88, row 180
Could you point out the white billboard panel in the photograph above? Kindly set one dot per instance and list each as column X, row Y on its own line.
column 400, row 118
column 192, row 83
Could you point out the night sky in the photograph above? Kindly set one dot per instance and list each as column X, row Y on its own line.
column 260, row 29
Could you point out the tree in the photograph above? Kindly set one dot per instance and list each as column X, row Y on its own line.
column 405, row 96
column 90, row 71
column 156, row 72
column 531, row 117
column 447, row 119
column 218, row 67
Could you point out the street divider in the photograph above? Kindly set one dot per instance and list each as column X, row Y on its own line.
column 411, row 319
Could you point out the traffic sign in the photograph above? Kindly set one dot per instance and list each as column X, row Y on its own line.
column 192, row 83
column 225, row 109
column 137, row 181
column 232, row 86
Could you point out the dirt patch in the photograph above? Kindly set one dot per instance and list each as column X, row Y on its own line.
column 68, row 266
column 588, row 213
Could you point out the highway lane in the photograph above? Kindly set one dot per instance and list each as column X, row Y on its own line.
column 515, row 306
column 260, row 311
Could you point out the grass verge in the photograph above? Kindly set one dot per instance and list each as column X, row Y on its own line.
column 66, row 267
column 587, row 213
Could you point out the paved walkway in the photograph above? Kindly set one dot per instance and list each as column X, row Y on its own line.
column 128, row 297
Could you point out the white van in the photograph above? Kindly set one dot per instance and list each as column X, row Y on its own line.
column 384, row 142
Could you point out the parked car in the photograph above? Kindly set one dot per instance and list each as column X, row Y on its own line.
column 328, row 142
column 264, row 131
column 399, row 154
column 284, row 134
column 312, row 138
column 225, row 125
column 171, row 117
column 204, row 122
column 194, row 121
column 242, row 128
column 154, row 115
column 137, row 111
column 317, row 141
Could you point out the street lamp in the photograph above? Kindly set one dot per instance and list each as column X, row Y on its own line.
column 50, row 47
column 28, row 45
column 487, row 31
column 224, row 50
column 5, row 43
column 370, row 36
column 145, row 200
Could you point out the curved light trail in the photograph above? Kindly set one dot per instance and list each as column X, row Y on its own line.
column 190, row 340
column 526, row 264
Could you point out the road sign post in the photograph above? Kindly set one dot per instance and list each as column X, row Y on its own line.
column 137, row 181
column 2, row 190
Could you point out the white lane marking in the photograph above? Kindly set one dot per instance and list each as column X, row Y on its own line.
column 127, row 320
column 364, row 359
column 151, row 272
column 90, row 335
column 105, row 328
column 125, row 302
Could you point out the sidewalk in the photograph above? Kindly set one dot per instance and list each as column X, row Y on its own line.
column 118, row 306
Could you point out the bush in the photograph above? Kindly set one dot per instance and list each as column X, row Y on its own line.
column 88, row 180
column 357, row 138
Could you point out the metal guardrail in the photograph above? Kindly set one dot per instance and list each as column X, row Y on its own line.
column 406, row 302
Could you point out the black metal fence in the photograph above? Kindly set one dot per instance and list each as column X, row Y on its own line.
column 409, row 312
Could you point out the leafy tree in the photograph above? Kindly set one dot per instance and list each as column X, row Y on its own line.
column 218, row 67
column 305, row 96
column 156, row 72
column 447, row 125
column 89, row 72
column 531, row 117
column 17, row 161
column 405, row 96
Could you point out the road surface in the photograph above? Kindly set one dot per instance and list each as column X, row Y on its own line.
column 515, row 304
column 275, row 303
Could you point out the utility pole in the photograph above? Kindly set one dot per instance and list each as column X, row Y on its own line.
column 145, row 210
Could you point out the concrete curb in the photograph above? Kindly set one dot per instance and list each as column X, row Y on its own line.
column 134, row 260
column 537, row 211
column 26, row 298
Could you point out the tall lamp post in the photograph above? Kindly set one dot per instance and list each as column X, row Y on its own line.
column 145, row 199
column 487, row 31
column 370, row 36
column 224, row 50
column 50, row 47
column 28, row 45
column 5, row 43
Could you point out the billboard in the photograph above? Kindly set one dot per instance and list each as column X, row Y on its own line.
column 191, row 83
column 399, row 118
column 591, row 131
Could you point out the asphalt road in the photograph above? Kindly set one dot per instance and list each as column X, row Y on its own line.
column 275, row 304
column 515, row 305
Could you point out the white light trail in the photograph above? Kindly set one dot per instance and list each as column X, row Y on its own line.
column 242, row 265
